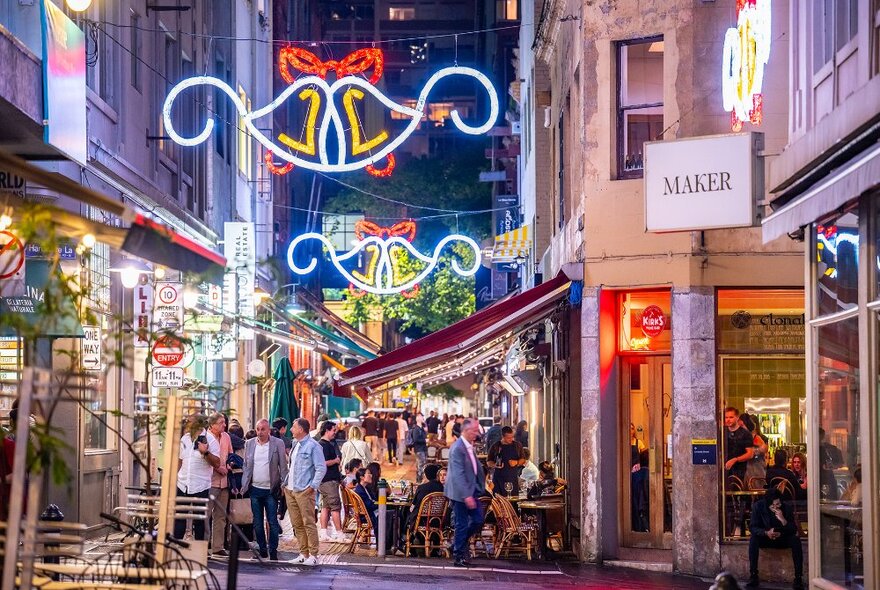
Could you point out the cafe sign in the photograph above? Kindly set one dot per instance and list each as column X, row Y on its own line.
column 701, row 183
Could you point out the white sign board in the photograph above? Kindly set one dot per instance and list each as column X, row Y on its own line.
column 166, row 377
column 91, row 348
column 168, row 307
column 239, row 248
column 143, row 315
column 701, row 183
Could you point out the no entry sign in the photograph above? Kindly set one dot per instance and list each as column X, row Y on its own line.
column 169, row 351
column 11, row 255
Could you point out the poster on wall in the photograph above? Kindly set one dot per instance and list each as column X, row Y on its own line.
column 64, row 84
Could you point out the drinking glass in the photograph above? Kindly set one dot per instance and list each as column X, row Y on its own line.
column 508, row 487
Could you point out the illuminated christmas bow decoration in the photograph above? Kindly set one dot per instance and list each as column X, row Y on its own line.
column 325, row 126
column 383, row 248
column 746, row 52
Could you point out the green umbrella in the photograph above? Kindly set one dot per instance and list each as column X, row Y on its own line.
column 283, row 400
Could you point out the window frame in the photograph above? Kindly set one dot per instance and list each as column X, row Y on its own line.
column 623, row 174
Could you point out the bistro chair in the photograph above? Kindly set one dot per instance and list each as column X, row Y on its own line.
column 488, row 531
column 432, row 454
column 348, row 517
column 734, row 506
column 363, row 527
column 444, row 455
column 757, row 483
column 430, row 524
column 512, row 534
column 784, row 486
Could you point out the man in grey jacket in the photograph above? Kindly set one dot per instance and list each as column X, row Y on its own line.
column 307, row 469
column 465, row 483
column 265, row 469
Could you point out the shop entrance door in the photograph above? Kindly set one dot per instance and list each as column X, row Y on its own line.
column 646, row 458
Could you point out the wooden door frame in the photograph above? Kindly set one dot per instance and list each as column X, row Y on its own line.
column 655, row 538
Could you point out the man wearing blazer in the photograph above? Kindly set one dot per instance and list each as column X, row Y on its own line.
column 265, row 468
column 465, row 483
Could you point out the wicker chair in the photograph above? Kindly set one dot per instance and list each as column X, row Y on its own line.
column 430, row 524
column 348, row 516
column 478, row 541
column 511, row 533
column 362, row 533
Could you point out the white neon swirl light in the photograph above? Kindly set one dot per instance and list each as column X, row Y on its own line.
column 384, row 273
column 331, row 118
column 742, row 67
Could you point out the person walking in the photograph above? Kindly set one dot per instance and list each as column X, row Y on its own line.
column 195, row 465
column 465, row 483
column 371, row 434
column 331, row 501
column 380, row 438
column 402, row 429
column 390, row 433
column 432, row 422
column 356, row 448
column 219, row 493
column 264, row 470
column 305, row 473
column 419, row 439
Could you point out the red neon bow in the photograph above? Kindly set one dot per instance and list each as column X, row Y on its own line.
column 407, row 229
column 307, row 62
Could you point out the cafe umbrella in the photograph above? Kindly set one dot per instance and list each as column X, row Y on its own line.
column 283, row 401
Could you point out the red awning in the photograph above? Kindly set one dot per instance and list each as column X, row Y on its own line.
column 462, row 337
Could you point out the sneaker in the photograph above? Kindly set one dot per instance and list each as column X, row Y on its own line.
column 221, row 553
column 298, row 560
column 323, row 535
column 310, row 561
column 753, row 581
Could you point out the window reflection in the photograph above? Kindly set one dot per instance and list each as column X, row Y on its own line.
column 839, row 474
column 837, row 264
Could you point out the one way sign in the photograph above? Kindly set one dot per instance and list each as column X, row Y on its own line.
column 91, row 348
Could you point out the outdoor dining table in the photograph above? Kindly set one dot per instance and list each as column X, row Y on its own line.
column 398, row 509
column 541, row 506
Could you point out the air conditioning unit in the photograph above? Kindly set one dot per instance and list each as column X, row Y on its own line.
column 516, row 128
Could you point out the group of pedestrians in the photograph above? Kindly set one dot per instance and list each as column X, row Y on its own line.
column 386, row 437
column 268, row 472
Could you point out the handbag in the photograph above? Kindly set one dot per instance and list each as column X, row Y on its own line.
column 240, row 510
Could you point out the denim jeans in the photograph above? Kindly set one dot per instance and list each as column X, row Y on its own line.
column 263, row 501
column 421, row 460
column 467, row 523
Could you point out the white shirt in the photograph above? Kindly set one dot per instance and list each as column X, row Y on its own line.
column 529, row 472
column 402, row 428
column 195, row 471
column 470, row 451
column 262, row 478
column 293, row 455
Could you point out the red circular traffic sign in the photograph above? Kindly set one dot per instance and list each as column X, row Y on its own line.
column 167, row 294
column 168, row 351
column 13, row 248
column 653, row 321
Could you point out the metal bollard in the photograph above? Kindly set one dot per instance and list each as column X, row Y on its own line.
column 380, row 533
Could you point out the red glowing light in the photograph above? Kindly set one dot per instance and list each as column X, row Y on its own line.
column 276, row 168
column 383, row 172
column 306, row 62
column 407, row 229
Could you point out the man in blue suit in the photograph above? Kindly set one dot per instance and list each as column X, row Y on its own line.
column 465, row 483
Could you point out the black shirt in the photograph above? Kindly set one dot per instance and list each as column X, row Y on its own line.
column 330, row 453
column 390, row 429
column 371, row 426
column 736, row 443
column 432, row 422
column 423, row 490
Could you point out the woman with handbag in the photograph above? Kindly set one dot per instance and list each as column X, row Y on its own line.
column 356, row 448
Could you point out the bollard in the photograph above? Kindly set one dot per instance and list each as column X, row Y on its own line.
column 380, row 533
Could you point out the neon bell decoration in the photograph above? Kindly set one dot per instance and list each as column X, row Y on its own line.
column 746, row 53
column 383, row 248
column 326, row 126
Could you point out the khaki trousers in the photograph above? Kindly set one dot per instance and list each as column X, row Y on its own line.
column 301, row 509
column 217, row 517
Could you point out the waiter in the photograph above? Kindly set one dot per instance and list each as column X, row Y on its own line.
column 507, row 459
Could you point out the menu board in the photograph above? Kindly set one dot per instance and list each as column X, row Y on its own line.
column 10, row 366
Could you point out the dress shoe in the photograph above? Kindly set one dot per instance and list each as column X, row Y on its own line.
column 460, row 563
column 753, row 581
column 273, row 556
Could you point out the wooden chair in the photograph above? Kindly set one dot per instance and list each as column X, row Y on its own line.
column 488, row 530
column 512, row 534
column 432, row 454
column 444, row 455
column 362, row 533
column 430, row 524
column 784, row 486
column 348, row 517
column 757, row 483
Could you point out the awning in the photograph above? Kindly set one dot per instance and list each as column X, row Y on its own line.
column 345, row 392
column 329, row 339
column 858, row 175
column 511, row 245
column 337, row 322
column 465, row 342
column 144, row 238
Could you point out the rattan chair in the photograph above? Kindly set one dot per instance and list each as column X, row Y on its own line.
column 479, row 541
column 430, row 524
column 362, row 530
column 512, row 535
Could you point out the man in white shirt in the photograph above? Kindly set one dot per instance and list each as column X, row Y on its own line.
column 265, row 468
column 196, row 463
column 465, row 483
column 402, row 428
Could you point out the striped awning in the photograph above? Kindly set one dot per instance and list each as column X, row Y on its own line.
column 514, row 244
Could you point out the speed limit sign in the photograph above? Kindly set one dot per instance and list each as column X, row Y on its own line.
column 168, row 293
column 168, row 311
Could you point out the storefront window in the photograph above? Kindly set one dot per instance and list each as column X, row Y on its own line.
column 837, row 264
column 761, row 365
column 839, row 477
column 645, row 321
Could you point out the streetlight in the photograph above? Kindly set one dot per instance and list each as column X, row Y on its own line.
column 130, row 271
column 79, row 5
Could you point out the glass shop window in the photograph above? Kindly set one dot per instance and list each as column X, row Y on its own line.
column 645, row 321
column 640, row 102
column 837, row 264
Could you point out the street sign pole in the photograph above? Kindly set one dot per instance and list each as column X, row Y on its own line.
column 168, row 494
